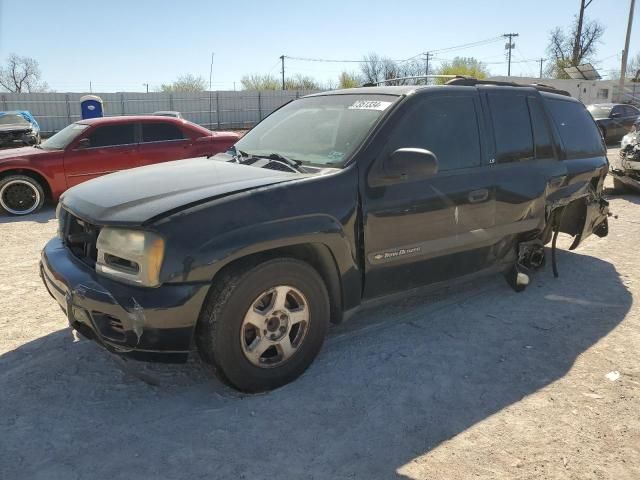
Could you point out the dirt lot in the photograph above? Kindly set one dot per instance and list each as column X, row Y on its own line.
column 476, row 382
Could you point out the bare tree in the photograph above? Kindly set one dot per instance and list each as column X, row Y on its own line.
column 372, row 68
column 21, row 74
column 186, row 83
column 574, row 48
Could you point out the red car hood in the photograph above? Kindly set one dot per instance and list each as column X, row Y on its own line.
column 23, row 153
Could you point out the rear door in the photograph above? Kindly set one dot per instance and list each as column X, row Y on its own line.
column 526, row 168
column 419, row 231
column 162, row 142
column 111, row 148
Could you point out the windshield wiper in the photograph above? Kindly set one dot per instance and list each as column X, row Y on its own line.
column 295, row 164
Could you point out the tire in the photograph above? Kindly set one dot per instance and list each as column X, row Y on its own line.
column 21, row 195
column 243, row 298
column 619, row 186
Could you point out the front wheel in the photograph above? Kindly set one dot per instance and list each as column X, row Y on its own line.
column 262, row 327
column 21, row 195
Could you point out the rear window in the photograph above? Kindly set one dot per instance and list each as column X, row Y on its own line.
column 577, row 130
column 160, row 132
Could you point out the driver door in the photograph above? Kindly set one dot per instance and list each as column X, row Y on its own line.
column 423, row 230
column 110, row 148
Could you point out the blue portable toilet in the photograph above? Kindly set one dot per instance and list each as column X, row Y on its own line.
column 91, row 107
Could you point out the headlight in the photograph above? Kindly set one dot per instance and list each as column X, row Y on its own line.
column 133, row 256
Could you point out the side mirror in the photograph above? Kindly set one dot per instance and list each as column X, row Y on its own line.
column 406, row 163
column 83, row 143
column 614, row 115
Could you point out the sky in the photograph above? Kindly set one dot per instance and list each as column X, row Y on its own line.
column 122, row 45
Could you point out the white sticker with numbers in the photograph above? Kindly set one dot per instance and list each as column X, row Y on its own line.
column 369, row 105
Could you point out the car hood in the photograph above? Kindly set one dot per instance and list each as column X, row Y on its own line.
column 22, row 153
column 136, row 196
column 16, row 126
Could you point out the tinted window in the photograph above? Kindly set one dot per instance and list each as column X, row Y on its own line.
column 511, row 127
column 629, row 111
column 447, row 126
column 158, row 132
column 578, row 131
column 110, row 135
column 541, row 135
column 616, row 111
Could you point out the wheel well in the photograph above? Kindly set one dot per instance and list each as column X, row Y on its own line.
column 315, row 254
column 30, row 173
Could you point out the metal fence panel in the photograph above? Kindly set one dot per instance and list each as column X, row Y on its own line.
column 214, row 110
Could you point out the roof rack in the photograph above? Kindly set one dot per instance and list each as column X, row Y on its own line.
column 471, row 81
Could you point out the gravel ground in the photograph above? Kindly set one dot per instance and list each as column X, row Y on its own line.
column 473, row 382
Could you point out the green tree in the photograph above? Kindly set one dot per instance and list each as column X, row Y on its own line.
column 467, row 66
column 301, row 82
column 185, row 83
column 348, row 80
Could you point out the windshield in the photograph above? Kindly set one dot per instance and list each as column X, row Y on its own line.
column 13, row 119
column 64, row 137
column 319, row 131
column 599, row 111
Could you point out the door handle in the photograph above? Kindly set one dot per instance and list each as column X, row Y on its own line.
column 478, row 196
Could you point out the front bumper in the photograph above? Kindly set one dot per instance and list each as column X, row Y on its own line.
column 153, row 324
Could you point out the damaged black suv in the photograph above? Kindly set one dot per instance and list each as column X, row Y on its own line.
column 332, row 201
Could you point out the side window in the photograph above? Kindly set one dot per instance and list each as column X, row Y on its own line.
column 445, row 125
column 578, row 132
column 511, row 127
column 111, row 135
column 616, row 112
column 630, row 111
column 160, row 131
column 541, row 135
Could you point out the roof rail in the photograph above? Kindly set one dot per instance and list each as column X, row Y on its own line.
column 471, row 81
column 414, row 77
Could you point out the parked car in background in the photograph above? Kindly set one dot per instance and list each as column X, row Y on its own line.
column 333, row 201
column 625, row 169
column 168, row 113
column 94, row 147
column 614, row 120
column 20, row 127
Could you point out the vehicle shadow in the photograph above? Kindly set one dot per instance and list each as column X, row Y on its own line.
column 47, row 213
column 390, row 385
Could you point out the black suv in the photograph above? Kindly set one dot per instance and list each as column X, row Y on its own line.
column 332, row 201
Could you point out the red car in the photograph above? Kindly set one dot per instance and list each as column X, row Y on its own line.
column 90, row 148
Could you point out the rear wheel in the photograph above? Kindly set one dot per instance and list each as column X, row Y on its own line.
column 21, row 195
column 262, row 327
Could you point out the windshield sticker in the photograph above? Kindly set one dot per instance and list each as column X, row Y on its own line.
column 369, row 105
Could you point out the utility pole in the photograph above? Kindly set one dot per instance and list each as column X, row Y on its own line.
column 625, row 52
column 427, row 56
column 576, row 41
column 90, row 90
column 146, row 85
column 541, row 62
column 509, row 46
column 282, row 59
